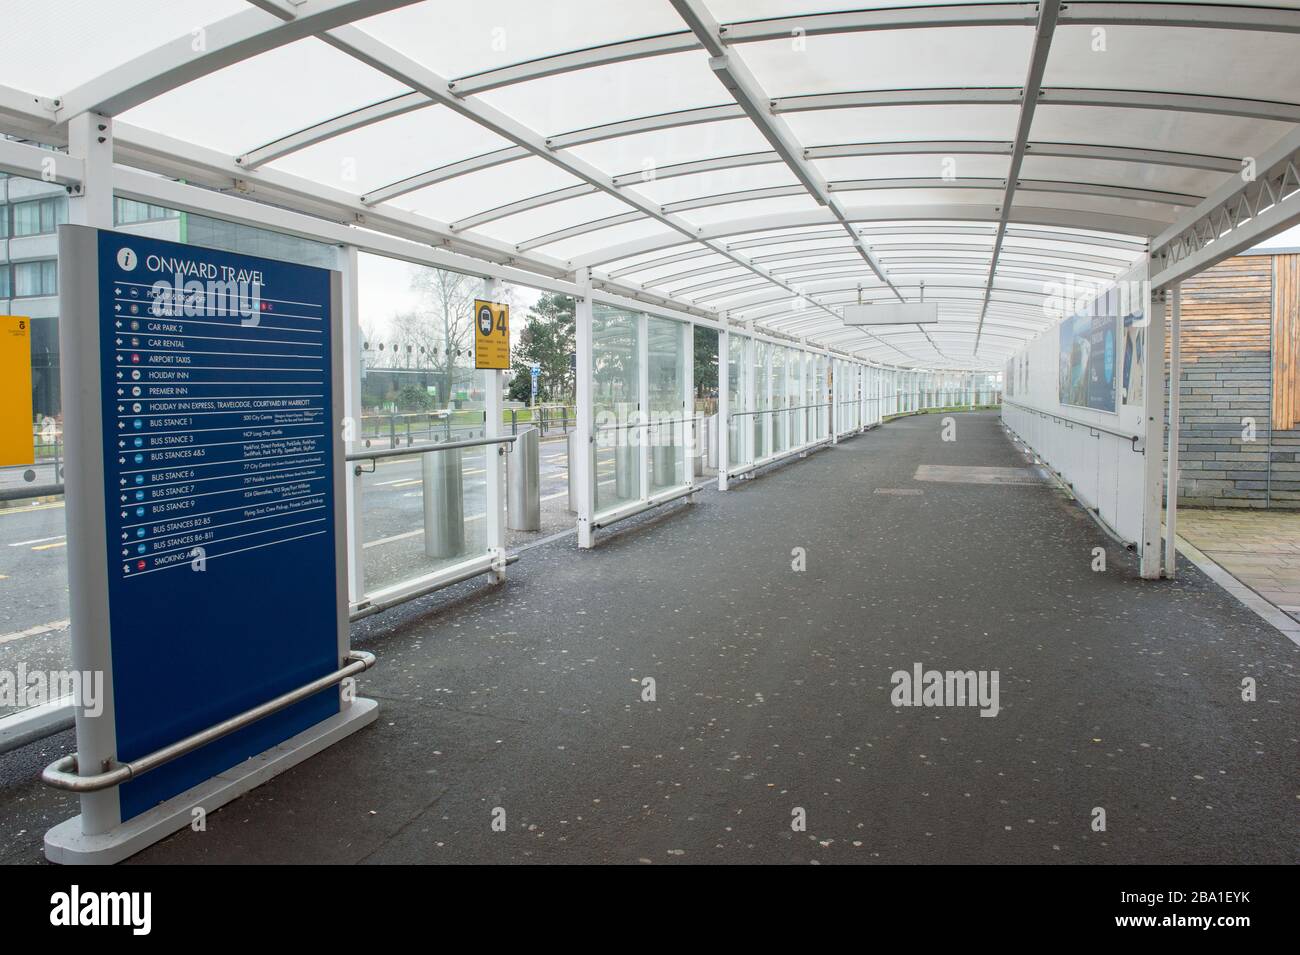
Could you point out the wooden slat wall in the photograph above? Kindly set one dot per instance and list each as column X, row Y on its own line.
column 1286, row 342
column 1226, row 310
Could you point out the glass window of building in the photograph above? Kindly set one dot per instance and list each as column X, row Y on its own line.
column 39, row 216
column 33, row 279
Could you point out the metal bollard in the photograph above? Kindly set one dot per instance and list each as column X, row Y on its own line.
column 627, row 466
column 444, row 504
column 664, row 452
column 712, row 449
column 523, row 483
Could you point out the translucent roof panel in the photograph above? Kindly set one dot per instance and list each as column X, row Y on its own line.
column 666, row 147
column 477, row 192
column 1162, row 129
column 713, row 215
column 926, row 166
column 536, row 223
column 716, row 182
column 52, row 47
column 625, row 151
column 389, row 151
column 264, row 97
column 891, row 60
column 605, row 94
column 568, row 249
column 1184, row 60
column 886, row 124
column 489, row 34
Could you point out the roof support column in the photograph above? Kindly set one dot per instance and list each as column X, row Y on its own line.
column 354, row 379
column 1175, row 387
column 723, row 419
column 90, row 139
column 1153, row 435
column 581, row 470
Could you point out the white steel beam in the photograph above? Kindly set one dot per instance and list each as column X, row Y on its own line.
column 746, row 91
column 1048, row 11
column 380, row 56
column 1242, row 211
column 442, row 173
column 337, row 126
column 1118, row 225
column 32, row 162
column 1009, row 95
column 223, row 43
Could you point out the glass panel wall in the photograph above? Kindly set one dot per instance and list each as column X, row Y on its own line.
column 616, row 410
column 668, row 424
column 425, row 511
column 779, row 414
column 761, row 426
column 739, row 373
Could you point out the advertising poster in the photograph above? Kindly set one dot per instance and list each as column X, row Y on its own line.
column 1088, row 359
column 1135, row 340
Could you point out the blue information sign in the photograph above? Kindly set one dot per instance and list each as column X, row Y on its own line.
column 217, row 397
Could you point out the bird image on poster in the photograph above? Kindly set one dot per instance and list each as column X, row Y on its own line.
column 1087, row 362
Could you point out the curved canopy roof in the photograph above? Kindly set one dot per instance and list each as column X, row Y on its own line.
column 762, row 160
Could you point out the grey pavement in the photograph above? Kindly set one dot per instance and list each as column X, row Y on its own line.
column 773, row 694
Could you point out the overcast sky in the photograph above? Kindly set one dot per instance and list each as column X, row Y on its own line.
column 385, row 291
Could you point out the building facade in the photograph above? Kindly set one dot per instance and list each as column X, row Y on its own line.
column 1239, row 444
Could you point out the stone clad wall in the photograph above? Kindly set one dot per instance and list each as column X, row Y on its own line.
column 1227, row 319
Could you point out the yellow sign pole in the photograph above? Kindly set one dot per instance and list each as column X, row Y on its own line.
column 16, row 445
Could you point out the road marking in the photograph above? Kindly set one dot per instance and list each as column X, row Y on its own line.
column 37, row 540
column 27, row 510
column 408, row 534
column 49, row 546
column 35, row 631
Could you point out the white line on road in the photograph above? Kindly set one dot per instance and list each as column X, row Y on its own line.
column 37, row 540
column 35, row 631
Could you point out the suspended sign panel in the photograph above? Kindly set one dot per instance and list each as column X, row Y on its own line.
column 491, row 335
column 16, row 445
column 892, row 313
column 204, row 495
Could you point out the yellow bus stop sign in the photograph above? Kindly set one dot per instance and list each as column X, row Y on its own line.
column 16, row 445
column 491, row 335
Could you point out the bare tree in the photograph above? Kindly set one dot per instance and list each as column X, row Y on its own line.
column 444, row 325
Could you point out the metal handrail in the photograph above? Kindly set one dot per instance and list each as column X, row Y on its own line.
column 745, row 414
column 648, row 423
column 414, row 449
column 62, row 773
column 1132, row 438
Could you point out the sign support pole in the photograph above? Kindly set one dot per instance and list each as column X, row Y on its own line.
column 494, row 410
column 352, row 386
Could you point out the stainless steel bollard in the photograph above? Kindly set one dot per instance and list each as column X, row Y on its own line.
column 444, row 503
column 627, row 467
column 524, row 483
